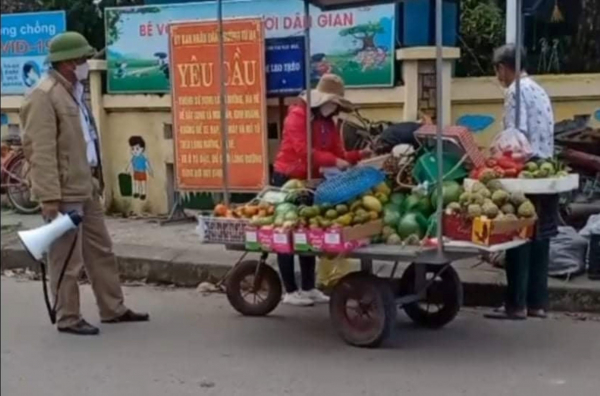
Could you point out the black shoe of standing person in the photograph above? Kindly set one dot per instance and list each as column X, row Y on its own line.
column 129, row 316
column 82, row 328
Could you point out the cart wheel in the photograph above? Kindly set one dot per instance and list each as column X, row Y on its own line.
column 253, row 290
column 363, row 310
column 443, row 298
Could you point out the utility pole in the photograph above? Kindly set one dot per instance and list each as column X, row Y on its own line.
column 511, row 21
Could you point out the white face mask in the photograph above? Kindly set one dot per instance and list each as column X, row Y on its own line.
column 82, row 71
column 328, row 109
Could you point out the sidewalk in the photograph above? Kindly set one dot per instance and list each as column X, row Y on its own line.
column 172, row 254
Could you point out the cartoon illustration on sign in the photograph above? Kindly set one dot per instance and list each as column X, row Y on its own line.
column 138, row 169
column 31, row 74
column 25, row 41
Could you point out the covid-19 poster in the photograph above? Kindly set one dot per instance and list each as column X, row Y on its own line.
column 25, row 39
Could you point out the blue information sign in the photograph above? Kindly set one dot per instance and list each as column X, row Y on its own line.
column 25, row 39
column 285, row 65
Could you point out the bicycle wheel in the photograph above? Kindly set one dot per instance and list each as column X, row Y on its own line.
column 17, row 191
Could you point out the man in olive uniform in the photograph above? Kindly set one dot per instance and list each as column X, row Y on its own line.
column 60, row 142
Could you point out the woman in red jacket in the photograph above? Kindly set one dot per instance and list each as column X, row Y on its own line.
column 327, row 100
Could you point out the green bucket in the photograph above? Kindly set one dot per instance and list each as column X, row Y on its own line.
column 125, row 185
column 426, row 168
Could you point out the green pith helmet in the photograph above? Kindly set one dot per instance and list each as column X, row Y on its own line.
column 68, row 46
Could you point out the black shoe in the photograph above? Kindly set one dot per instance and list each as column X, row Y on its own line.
column 82, row 328
column 129, row 316
column 143, row 197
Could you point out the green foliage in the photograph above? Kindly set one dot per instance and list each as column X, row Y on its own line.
column 86, row 16
column 365, row 32
column 12, row 6
column 482, row 30
column 113, row 29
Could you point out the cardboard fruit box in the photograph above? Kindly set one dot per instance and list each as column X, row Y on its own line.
column 252, row 244
column 301, row 242
column 347, row 239
column 265, row 238
column 487, row 232
column 282, row 241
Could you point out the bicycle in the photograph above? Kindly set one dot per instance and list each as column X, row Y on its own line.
column 14, row 179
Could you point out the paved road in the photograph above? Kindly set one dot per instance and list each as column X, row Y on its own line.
column 197, row 345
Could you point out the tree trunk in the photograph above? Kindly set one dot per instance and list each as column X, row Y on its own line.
column 585, row 53
column 368, row 42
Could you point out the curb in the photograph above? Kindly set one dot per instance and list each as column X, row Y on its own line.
column 133, row 267
column 183, row 270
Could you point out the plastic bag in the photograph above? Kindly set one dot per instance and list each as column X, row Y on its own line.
column 591, row 228
column 331, row 270
column 567, row 253
column 328, row 173
column 511, row 141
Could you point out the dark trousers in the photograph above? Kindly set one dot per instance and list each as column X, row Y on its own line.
column 286, row 261
column 527, row 275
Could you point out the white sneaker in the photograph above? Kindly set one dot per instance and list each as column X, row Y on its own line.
column 297, row 299
column 317, row 296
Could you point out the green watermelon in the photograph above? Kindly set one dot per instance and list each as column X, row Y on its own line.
column 284, row 208
column 451, row 192
column 412, row 223
column 424, row 207
column 417, row 203
column 410, row 203
column 391, row 215
column 397, row 199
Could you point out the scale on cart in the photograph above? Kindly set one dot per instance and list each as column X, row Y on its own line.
column 363, row 306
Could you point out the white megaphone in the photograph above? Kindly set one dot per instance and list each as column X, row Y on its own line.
column 38, row 241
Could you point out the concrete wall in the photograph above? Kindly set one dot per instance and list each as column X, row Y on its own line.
column 483, row 97
column 148, row 116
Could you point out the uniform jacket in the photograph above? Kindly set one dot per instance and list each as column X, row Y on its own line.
column 54, row 144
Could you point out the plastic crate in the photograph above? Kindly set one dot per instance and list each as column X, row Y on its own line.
column 461, row 136
column 594, row 257
column 426, row 168
column 221, row 230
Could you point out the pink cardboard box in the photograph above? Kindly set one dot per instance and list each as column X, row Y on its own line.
column 301, row 240
column 334, row 243
column 251, row 237
column 265, row 239
column 316, row 239
column 282, row 241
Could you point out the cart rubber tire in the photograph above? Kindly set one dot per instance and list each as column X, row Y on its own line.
column 235, row 295
column 451, row 291
column 359, row 285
